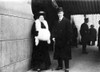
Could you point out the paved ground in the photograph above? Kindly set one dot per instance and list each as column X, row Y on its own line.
column 81, row 62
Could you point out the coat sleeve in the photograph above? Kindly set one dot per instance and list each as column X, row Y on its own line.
column 53, row 32
column 33, row 30
column 69, row 31
column 81, row 30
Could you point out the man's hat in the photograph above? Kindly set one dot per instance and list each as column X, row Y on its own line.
column 85, row 19
column 60, row 9
column 92, row 25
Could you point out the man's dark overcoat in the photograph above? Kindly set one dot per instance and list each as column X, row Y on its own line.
column 84, row 31
column 62, row 32
column 98, row 36
column 92, row 34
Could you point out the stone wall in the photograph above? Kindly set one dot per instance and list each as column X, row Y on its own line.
column 16, row 20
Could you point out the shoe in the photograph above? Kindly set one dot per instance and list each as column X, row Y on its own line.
column 38, row 70
column 45, row 68
column 58, row 68
column 66, row 70
column 35, row 68
column 84, row 52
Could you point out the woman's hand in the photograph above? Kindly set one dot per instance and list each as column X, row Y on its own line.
column 36, row 40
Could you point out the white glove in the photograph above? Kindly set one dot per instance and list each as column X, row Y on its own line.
column 49, row 41
column 53, row 39
column 36, row 41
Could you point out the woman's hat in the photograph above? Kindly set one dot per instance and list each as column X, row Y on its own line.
column 41, row 13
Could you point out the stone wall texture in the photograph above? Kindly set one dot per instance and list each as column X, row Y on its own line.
column 16, row 20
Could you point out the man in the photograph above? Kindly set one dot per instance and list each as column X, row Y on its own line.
column 75, row 35
column 62, row 37
column 84, row 31
column 99, row 36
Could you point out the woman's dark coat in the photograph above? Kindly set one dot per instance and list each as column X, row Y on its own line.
column 40, row 53
column 62, row 32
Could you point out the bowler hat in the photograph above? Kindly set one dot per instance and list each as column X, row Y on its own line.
column 60, row 9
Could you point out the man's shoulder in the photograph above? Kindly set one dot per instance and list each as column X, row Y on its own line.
column 84, row 24
column 65, row 19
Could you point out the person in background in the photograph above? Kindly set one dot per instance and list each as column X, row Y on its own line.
column 61, row 34
column 84, row 32
column 42, row 40
column 98, row 44
column 74, row 35
column 92, row 35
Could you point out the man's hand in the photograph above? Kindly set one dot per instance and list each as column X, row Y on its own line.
column 53, row 39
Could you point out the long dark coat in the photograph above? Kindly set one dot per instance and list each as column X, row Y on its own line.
column 40, row 53
column 62, row 32
column 74, row 36
column 92, row 34
column 98, row 37
column 84, row 31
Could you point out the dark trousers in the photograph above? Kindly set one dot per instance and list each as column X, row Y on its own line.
column 60, row 63
column 93, row 42
column 99, row 48
column 84, row 48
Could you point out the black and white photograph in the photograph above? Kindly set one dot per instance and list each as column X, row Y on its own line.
column 49, row 35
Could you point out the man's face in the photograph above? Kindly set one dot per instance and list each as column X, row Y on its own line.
column 60, row 14
column 86, row 21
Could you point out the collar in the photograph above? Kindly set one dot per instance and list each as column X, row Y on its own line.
column 61, row 18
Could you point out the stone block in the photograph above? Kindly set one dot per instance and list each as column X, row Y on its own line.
column 20, row 49
column 19, row 9
column 0, row 54
column 13, row 51
column 15, row 28
column 0, row 28
column 27, row 46
column 21, row 66
column 5, row 53
column 9, row 68
column 27, row 27
column 9, row 52
column 8, row 27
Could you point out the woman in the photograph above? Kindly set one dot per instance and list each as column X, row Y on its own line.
column 42, row 40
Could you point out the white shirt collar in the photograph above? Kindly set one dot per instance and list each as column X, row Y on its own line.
column 61, row 18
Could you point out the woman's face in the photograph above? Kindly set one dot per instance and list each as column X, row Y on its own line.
column 41, row 17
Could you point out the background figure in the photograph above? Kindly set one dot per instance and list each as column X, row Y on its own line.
column 74, row 35
column 92, row 35
column 41, row 56
column 84, row 31
column 62, row 36
column 99, row 36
